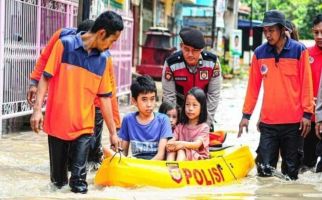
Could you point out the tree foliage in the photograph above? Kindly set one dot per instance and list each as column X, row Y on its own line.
column 300, row 12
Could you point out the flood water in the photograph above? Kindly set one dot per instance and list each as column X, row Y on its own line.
column 24, row 167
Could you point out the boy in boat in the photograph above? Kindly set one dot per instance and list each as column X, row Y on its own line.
column 145, row 130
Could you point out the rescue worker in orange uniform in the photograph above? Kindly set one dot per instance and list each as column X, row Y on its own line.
column 96, row 151
column 282, row 65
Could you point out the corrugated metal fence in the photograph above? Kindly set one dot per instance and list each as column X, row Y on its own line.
column 25, row 27
column 122, row 56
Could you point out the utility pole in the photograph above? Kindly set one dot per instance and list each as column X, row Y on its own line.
column 83, row 10
column 251, row 32
column 213, row 24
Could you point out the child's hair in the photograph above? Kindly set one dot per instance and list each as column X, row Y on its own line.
column 166, row 106
column 143, row 85
column 200, row 95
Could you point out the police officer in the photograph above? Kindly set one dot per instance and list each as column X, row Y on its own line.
column 192, row 67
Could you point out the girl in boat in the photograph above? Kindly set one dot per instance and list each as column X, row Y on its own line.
column 172, row 111
column 191, row 136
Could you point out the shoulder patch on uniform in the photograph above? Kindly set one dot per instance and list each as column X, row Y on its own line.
column 168, row 75
column 206, row 55
column 216, row 71
column 216, row 74
column 175, row 58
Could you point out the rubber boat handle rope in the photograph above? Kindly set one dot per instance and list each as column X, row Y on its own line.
column 117, row 152
column 231, row 171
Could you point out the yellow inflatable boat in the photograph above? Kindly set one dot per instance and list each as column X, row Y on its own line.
column 226, row 165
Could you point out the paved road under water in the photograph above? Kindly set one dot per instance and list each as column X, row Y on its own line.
column 24, row 167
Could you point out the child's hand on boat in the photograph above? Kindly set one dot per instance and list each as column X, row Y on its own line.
column 174, row 146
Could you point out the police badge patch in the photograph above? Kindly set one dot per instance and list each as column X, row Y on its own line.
column 203, row 75
column 168, row 75
column 174, row 172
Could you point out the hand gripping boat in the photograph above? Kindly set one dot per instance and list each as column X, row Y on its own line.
column 225, row 165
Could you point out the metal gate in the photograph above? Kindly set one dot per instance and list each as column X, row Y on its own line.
column 25, row 27
column 122, row 52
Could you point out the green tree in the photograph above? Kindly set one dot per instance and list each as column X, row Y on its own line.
column 300, row 12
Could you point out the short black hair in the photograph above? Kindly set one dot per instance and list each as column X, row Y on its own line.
column 317, row 19
column 110, row 21
column 143, row 85
column 166, row 106
column 200, row 95
column 85, row 25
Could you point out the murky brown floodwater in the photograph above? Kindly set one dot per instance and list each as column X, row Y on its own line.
column 24, row 167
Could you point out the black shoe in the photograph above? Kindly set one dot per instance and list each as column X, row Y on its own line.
column 264, row 170
column 78, row 186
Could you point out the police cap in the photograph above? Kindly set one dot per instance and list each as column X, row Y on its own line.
column 192, row 37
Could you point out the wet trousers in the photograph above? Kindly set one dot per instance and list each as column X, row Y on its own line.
column 96, row 152
column 275, row 139
column 58, row 154
column 310, row 142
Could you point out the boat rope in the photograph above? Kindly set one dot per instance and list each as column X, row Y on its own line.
column 117, row 152
column 231, row 171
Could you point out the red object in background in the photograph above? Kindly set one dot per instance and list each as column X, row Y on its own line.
column 217, row 138
column 154, row 52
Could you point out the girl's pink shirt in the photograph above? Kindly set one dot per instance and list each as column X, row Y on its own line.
column 190, row 133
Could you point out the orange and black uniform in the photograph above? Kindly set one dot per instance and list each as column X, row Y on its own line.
column 95, row 153
column 76, row 78
column 42, row 61
column 287, row 98
column 311, row 140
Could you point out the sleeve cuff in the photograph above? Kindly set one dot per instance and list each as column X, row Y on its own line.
column 307, row 115
column 105, row 95
column 47, row 75
column 33, row 82
column 247, row 116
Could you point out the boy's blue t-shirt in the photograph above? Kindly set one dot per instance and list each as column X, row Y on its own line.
column 144, row 139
